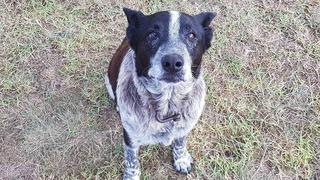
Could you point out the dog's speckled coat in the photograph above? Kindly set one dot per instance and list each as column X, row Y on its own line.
column 143, row 98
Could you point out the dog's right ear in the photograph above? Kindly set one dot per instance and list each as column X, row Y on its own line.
column 134, row 20
column 133, row 17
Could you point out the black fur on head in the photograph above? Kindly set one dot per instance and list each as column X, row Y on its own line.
column 146, row 33
column 205, row 19
column 134, row 20
column 204, row 42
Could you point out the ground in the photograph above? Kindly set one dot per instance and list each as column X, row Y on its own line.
column 262, row 116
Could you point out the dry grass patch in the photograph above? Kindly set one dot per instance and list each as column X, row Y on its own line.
column 262, row 118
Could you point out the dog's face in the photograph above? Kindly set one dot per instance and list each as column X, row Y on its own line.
column 169, row 45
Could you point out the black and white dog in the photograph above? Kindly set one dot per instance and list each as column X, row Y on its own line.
column 155, row 77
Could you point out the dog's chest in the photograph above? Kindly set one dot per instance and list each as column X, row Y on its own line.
column 141, row 119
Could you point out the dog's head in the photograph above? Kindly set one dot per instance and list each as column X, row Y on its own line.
column 169, row 45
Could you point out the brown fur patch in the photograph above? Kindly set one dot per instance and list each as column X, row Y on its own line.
column 115, row 63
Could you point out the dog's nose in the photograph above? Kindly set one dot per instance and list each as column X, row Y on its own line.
column 172, row 63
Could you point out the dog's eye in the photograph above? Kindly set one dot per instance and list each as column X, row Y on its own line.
column 152, row 37
column 191, row 36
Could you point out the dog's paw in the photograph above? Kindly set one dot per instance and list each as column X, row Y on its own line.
column 131, row 174
column 131, row 177
column 183, row 163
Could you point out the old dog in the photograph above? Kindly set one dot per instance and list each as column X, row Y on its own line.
column 156, row 80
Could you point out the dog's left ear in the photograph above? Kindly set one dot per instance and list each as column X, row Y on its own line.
column 205, row 19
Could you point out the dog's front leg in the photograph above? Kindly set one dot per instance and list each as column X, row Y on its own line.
column 181, row 157
column 132, row 165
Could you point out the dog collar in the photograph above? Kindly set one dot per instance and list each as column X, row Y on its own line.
column 174, row 117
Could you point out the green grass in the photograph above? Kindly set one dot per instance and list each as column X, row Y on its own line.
column 262, row 116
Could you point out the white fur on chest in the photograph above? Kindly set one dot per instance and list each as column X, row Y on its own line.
column 138, row 112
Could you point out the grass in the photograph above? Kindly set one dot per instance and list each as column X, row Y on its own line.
column 262, row 116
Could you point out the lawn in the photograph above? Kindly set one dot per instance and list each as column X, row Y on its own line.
column 262, row 115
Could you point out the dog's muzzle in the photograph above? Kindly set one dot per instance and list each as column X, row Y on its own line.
column 172, row 64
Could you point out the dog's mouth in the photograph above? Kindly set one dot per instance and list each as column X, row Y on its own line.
column 169, row 78
column 172, row 78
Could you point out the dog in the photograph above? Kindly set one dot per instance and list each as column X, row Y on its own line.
column 156, row 81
